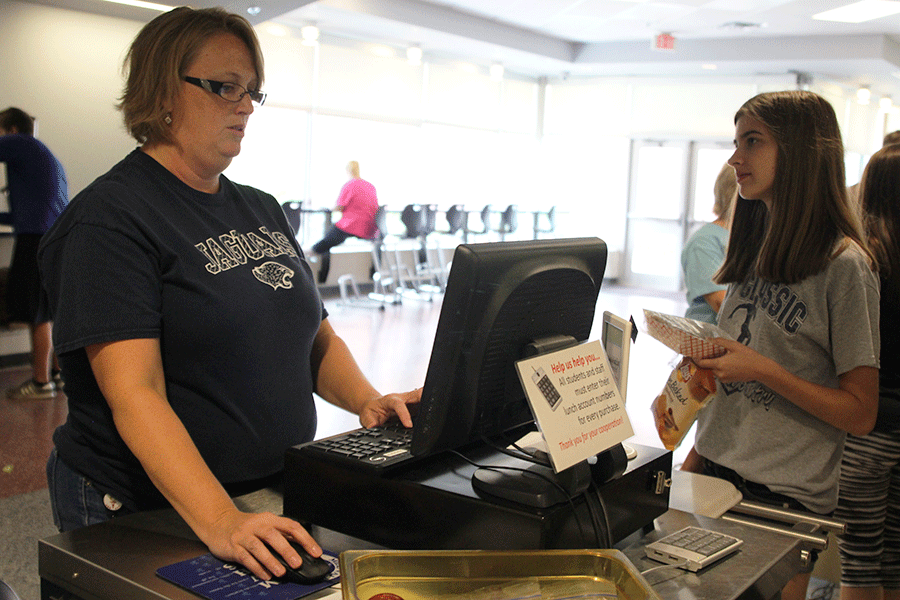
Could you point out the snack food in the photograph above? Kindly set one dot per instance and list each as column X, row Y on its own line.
column 686, row 391
column 687, row 337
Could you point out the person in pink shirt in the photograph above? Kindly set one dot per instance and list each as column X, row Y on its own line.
column 358, row 204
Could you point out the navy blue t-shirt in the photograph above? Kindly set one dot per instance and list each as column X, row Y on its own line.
column 220, row 281
column 38, row 190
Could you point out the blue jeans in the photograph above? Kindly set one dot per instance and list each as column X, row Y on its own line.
column 74, row 500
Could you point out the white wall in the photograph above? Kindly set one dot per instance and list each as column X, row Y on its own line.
column 64, row 68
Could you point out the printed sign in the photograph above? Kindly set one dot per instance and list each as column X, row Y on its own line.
column 576, row 402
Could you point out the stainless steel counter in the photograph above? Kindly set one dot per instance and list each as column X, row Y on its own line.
column 119, row 559
column 760, row 568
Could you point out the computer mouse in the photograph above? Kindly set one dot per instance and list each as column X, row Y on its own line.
column 313, row 570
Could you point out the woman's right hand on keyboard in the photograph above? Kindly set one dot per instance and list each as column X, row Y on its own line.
column 379, row 410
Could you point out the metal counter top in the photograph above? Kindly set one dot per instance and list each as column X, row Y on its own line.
column 119, row 559
column 758, row 570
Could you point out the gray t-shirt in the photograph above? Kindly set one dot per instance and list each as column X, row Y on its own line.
column 818, row 329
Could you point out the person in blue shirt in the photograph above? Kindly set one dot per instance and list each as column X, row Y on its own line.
column 38, row 192
column 705, row 250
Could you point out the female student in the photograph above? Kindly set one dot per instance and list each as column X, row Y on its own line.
column 802, row 307
column 869, row 499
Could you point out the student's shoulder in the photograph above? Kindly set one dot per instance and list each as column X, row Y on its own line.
column 709, row 235
column 850, row 262
column 849, row 254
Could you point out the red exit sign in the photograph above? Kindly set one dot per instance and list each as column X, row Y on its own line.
column 664, row 41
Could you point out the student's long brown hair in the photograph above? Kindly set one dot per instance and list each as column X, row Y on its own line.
column 880, row 198
column 810, row 212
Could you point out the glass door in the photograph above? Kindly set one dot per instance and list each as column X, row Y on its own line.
column 671, row 195
column 709, row 158
column 656, row 207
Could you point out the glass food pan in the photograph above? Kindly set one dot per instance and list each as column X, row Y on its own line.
column 491, row 575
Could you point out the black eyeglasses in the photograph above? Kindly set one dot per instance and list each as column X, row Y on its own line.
column 229, row 91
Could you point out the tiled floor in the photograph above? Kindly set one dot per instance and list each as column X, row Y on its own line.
column 26, row 427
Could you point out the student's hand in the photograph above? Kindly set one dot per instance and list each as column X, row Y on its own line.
column 379, row 410
column 242, row 537
column 739, row 363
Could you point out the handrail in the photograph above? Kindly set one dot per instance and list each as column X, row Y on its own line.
column 815, row 541
column 786, row 515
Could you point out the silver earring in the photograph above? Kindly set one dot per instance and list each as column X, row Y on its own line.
column 168, row 119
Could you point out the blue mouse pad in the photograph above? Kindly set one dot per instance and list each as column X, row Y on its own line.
column 214, row 579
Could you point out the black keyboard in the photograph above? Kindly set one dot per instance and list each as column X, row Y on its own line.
column 376, row 449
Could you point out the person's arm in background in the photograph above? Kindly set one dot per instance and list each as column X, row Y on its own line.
column 715, row 299
column 344, row 197
column 341, row 382
column 700, row 259
column 130, row 375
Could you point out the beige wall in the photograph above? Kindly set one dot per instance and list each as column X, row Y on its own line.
column 64, row 68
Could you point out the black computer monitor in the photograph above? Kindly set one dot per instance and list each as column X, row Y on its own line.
column 503, row 302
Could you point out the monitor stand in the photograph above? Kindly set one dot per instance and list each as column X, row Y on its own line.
column 539, row 486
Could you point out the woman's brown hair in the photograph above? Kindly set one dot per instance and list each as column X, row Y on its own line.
column 160, row 56
column 879, row 192
column 809, row 212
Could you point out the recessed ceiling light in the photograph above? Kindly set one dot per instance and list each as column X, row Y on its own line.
column 143, row 4
column 310, row 35
column 859, row 12
column 382, row 51
column 414, row 55
column 709, row 67
column 863, row 95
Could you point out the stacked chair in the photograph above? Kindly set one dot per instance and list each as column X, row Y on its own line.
column 384, row 281
column 550, row 227
column 509, row 221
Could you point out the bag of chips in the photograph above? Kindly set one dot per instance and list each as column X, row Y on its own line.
column 686, row 391
column 689, row 387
